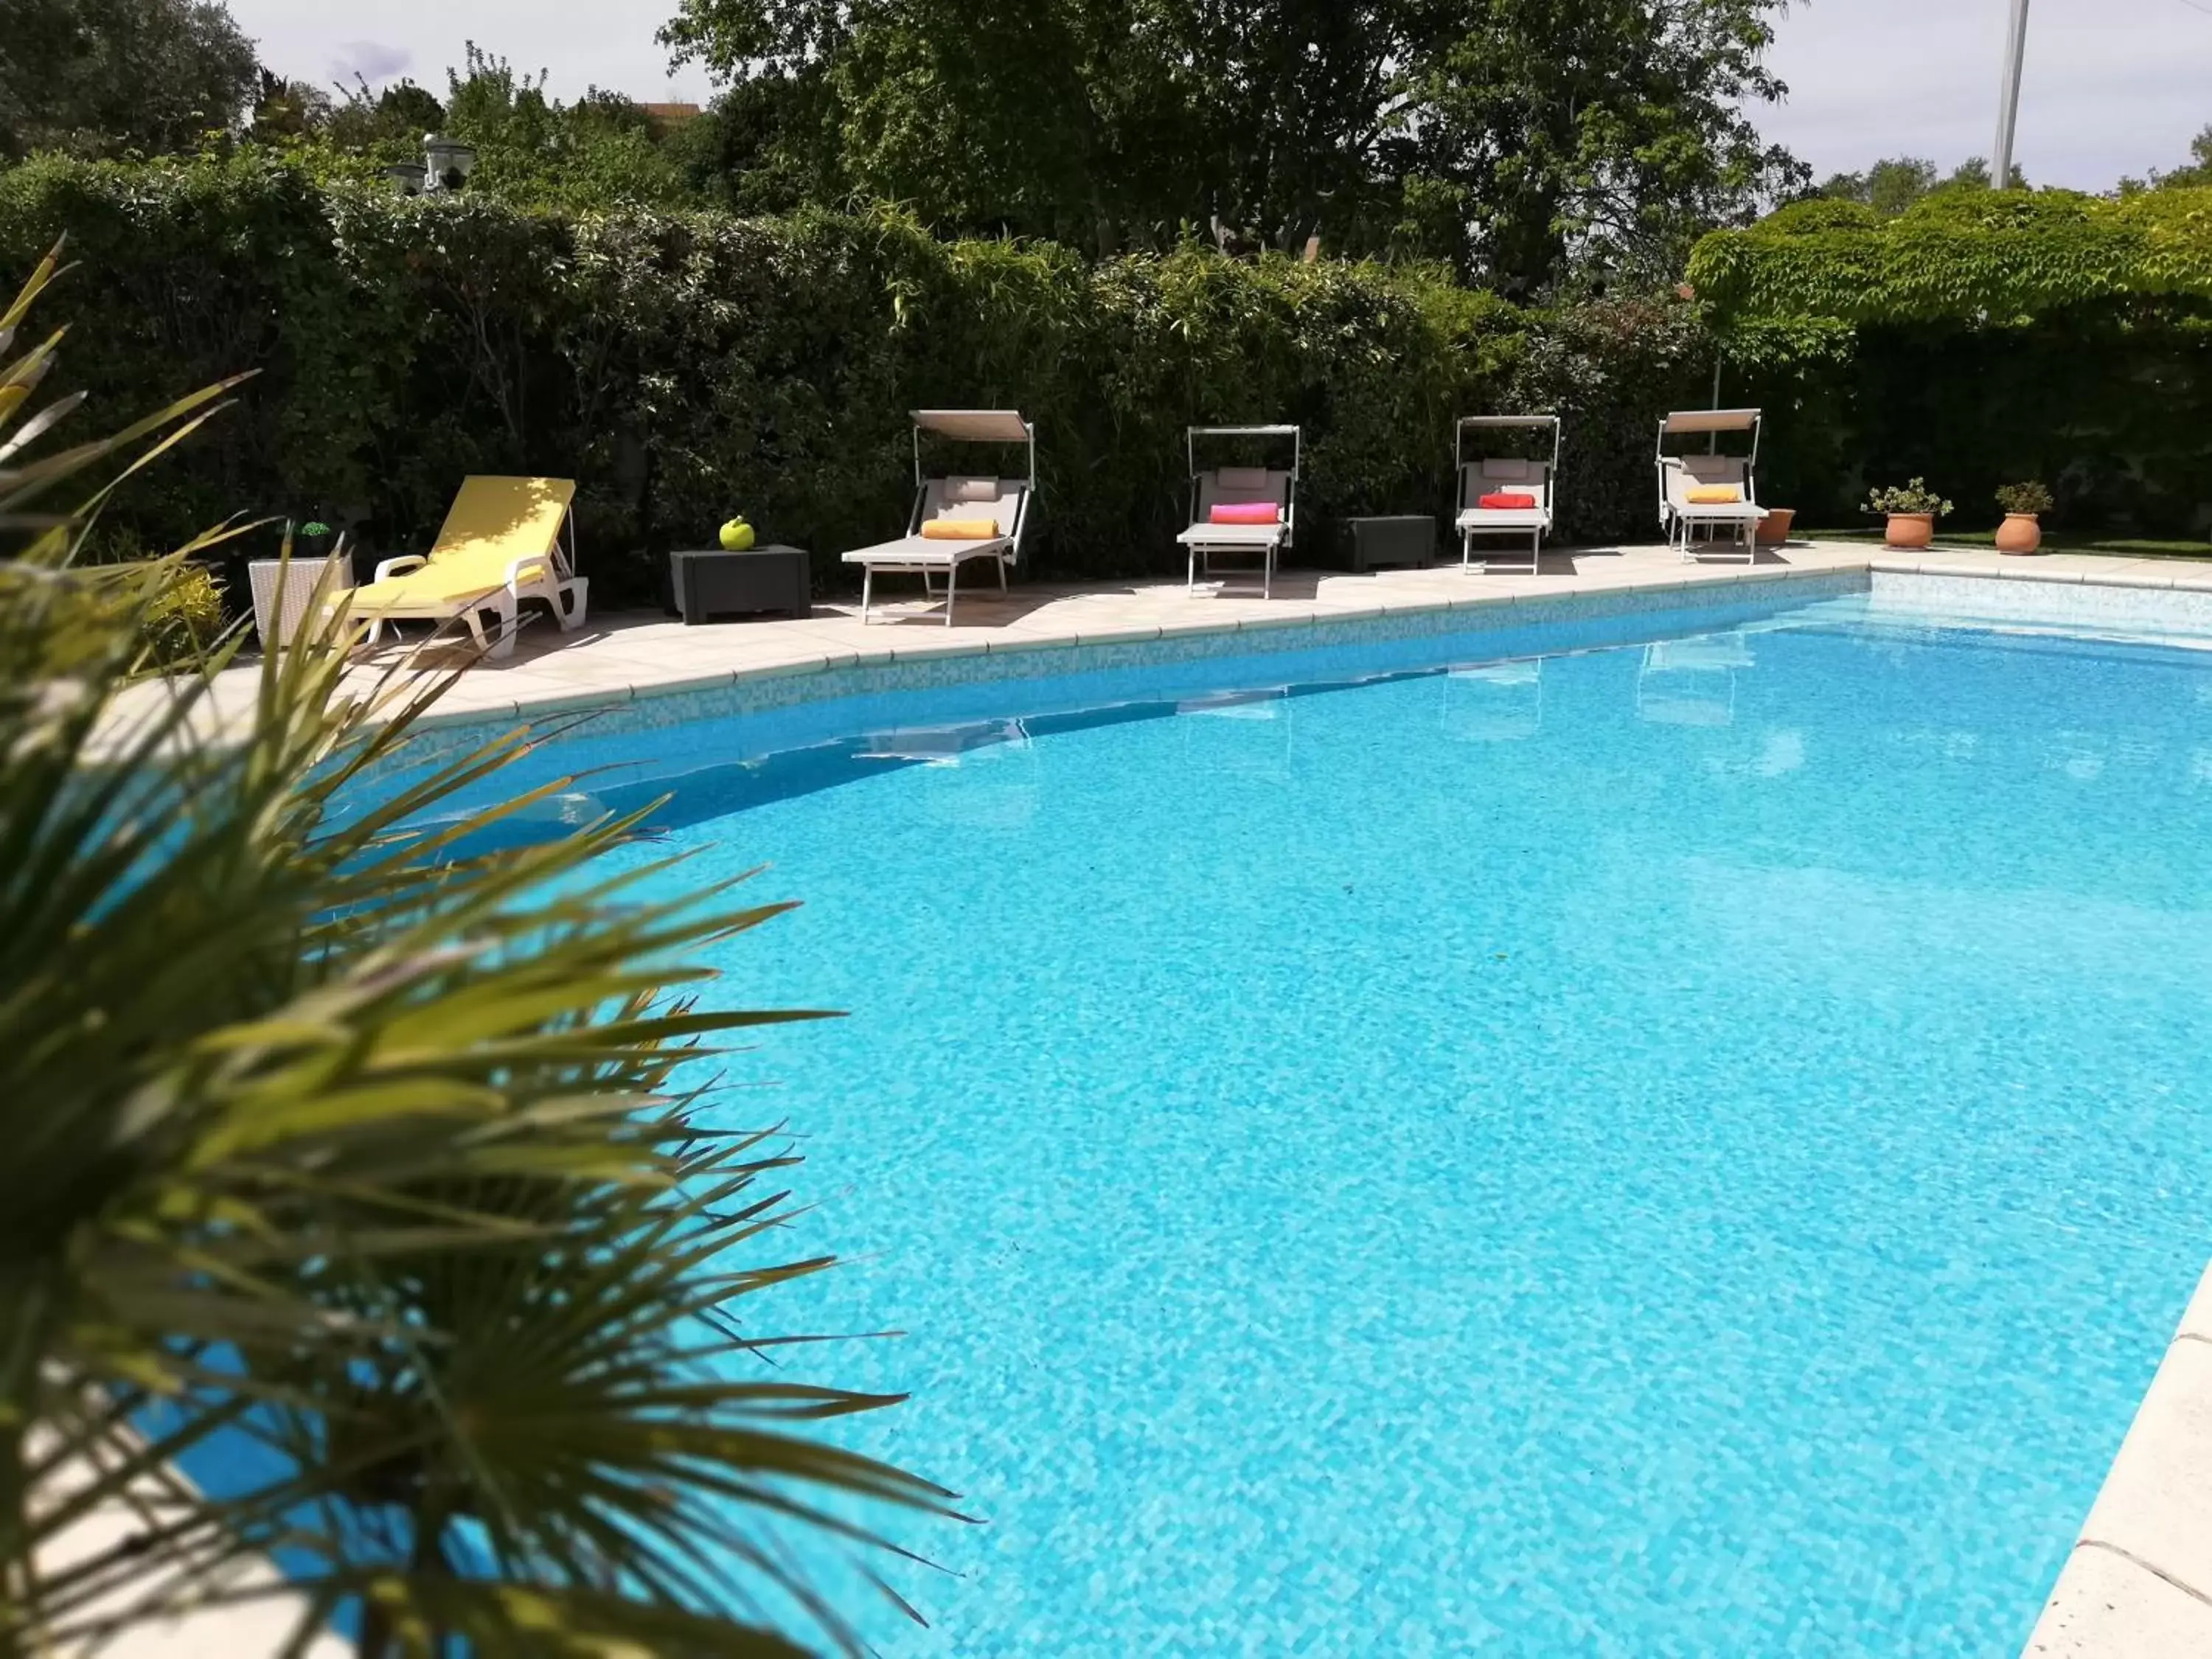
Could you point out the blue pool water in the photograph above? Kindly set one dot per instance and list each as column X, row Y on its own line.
column 1681, row 1150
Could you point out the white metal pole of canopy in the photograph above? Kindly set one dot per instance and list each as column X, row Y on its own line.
column 975, row 426
column 1474, row 519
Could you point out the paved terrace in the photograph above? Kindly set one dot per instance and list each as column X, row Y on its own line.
column 613, row 659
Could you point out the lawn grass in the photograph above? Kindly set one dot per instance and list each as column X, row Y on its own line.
column 2054, row 541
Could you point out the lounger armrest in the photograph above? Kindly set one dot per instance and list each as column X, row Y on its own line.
column 531, row 567
column 387, row 569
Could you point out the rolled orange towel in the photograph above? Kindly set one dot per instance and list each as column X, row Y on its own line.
column 1714, row 495
column 960, row 529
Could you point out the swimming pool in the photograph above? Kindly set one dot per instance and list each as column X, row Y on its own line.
column 1677, row 1148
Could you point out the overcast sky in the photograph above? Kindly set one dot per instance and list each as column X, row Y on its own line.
column 2113, row 85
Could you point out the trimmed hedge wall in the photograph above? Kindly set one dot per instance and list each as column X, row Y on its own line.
column 682, row 368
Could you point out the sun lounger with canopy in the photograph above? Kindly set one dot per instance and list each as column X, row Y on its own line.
column 956, row 519
column 1502, row 475
column 1246, row 492
column 1712, row 492
column 504, row 541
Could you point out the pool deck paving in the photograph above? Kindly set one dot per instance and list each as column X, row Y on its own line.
column 616, row 658
column 2138, row 1584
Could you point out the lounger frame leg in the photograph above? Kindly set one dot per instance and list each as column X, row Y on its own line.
column 867, row 589
column 952, row 582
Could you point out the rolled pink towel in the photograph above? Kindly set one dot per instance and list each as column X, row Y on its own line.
column 1246, row 512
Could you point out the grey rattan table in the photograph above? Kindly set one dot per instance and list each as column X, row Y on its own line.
column 1408, row 540
column 707, row 582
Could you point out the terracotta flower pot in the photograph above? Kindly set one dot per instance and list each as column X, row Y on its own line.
column 2021, row 532
column 1911, row 529
column 1774, row 528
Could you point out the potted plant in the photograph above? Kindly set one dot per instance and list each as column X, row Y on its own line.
column 312, row 540
column 1911, row 512
column 2024, row 505
column 1774, row 528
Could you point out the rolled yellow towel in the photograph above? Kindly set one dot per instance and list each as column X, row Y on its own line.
column 960, row 529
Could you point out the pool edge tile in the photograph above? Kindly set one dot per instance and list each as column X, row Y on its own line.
column 2107, row 1606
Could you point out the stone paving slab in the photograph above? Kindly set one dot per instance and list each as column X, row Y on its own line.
column 2139, row 1582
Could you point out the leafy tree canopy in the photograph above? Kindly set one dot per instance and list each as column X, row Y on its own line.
column 2195, row 174
column 536, row 151
column 1514, row 139
column 1889, row 187
column 99, row 76
column 1978, row 258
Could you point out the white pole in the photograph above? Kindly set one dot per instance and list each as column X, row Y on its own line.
column 2009, row 98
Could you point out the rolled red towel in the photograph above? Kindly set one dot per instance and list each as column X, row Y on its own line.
column 1507, row 501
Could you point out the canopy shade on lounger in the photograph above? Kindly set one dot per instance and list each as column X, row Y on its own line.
column 1703, row 423
column 1295, row 434
column 974, row 426
column 1505, row 423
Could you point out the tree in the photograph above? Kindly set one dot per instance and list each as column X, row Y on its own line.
column 391, row 121
column 1517, row 138
column 291, row 109
column 1889, row 187
column 2194, row 174
column 600, row 151
column 101, row 75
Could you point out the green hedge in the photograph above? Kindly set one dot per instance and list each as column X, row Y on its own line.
column 1978, row 339
column 682, row 366
column 1966, row 256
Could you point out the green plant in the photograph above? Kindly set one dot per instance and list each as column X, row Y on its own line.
column 314, row 527
column 2031, row 497
column 337, row 1127
column 1913, row 498
column 1990, row 257
column 1533, row 142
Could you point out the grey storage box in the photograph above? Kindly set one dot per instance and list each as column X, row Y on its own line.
column 1411, row 540
column 708, row 582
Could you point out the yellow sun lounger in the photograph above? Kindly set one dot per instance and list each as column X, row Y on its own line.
column 505, row 540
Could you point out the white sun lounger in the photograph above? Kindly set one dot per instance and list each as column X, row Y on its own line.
column 1683, row 518
column 1505, row 474
column 1235, row 486
column 1004, row 502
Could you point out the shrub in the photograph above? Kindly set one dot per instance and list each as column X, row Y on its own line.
column 2031, row 497
column 1915, row 497
column 683, row 365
